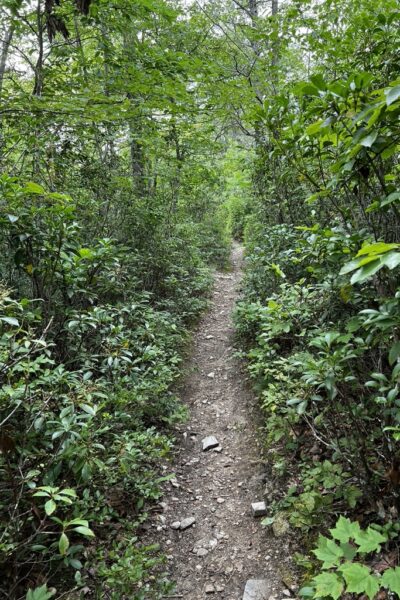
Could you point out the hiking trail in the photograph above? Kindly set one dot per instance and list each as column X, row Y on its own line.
column 227, row 545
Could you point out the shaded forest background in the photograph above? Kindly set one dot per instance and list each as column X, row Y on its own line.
column 137, row 138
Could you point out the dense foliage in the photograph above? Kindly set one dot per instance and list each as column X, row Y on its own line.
column 319, row 321
column 110, row 216
column 136, row 136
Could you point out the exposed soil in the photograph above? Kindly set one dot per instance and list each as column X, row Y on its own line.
column 227, row 545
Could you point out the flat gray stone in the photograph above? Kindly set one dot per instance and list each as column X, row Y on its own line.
column 259, row 509
column 176, row 525
column 257, row 589
column 188, row 522
column 209, row 442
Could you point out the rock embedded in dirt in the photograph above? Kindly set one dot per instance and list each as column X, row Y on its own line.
column 186, row 523
column 209, row 442
column 259, row 509
column 211, row 375
column 210, row 589
column 176, row 525
column 257, row 589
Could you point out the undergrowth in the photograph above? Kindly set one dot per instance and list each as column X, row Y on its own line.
column 324, row 359
column 92, row 338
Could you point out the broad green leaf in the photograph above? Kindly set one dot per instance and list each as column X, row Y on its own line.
column 84, row 531
column 63, row 544
column 306, row 89
column 83, row 522
column 366, row 272
column 88, row 409
column 394, row 353
column 328, row 585
column 10, row 321
column 69, row 492
column 350, row 266
column 40, row 593
column 34, row 188
column 345, row 530
column 378, row 248
column 392, row 94
column 391, row 260
column 369, row 540
column 328, row 552
column 314, row 127
column 86, row 253
column 367, row 259
column 359, row 579
column 349, row 551
column 369, row 140
column 307, row 592
column 50, row 507
column 391, row 579
column 390, row 199
column 75, row 563
column 318, row 81
column 268, row 521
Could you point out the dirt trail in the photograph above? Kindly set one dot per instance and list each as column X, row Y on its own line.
column 226, row 546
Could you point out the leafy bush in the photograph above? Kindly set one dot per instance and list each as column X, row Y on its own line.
column 342, row 572
column 91, row 344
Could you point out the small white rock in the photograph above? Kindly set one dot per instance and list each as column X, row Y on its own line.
column 257, row 589
column 209, row 442
column 186, row 523
column 259, row 509
column 176, row 525
column 210, row 589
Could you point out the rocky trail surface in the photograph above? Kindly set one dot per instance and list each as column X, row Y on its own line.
column 207, row 527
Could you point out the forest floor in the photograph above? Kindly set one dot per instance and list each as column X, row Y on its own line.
column 227, row 545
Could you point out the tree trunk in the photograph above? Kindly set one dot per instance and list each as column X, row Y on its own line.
column 38, row 84
column 137, row 157
column 4, row 53
column 3, row 61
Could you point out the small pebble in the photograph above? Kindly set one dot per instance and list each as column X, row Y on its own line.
column 259, row 509
column 186, row 523
column 209, row 442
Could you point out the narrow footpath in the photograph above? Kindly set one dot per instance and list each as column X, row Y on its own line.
column 213, row 542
